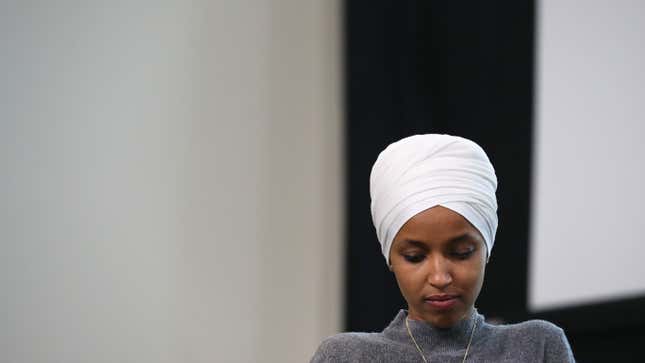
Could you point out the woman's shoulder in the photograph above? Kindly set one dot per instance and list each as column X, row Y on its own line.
column 350, row 342
column 534, row 330
column 535, row 326
column 545, row 338
column 349, row 346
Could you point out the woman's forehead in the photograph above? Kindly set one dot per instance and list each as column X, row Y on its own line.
column 437, row 225
column 466, row 238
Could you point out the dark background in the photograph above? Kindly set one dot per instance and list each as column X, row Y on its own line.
column 442, row 67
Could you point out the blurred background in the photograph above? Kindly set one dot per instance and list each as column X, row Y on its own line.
column 187, row 181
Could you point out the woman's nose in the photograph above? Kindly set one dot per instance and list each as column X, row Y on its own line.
column 439, row 274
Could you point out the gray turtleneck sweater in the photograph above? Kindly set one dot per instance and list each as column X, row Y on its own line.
column 530, row 341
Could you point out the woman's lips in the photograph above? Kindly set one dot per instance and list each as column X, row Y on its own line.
column 441, row 302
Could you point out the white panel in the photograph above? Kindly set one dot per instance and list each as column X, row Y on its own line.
column 587, row 243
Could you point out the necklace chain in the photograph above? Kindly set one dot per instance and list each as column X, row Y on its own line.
column 472, row 333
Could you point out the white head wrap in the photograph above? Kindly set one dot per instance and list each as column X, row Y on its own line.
column 423, row 171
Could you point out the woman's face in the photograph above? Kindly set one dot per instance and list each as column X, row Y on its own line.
column 438, row 259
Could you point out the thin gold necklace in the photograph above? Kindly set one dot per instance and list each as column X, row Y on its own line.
column 472, row 333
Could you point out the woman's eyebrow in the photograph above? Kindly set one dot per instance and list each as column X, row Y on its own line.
column 466, row 237
column 415, row 243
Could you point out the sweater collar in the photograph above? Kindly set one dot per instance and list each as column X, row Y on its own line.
column 431, row 338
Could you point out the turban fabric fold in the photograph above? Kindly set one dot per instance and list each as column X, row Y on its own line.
column 423, row 171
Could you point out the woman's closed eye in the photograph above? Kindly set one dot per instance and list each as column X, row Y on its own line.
column 414, row 257
column 463, row 254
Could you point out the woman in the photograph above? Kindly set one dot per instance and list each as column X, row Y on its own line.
column 435, row 214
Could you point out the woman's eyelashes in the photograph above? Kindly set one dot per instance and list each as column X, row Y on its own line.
column 460, row 254
column 414, row 258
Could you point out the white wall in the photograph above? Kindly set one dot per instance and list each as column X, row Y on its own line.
column 587, row 243
column 171, row 180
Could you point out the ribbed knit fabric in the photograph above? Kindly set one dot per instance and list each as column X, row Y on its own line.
column 530, row 341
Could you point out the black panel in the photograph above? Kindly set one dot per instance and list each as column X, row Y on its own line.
column 420, row 67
